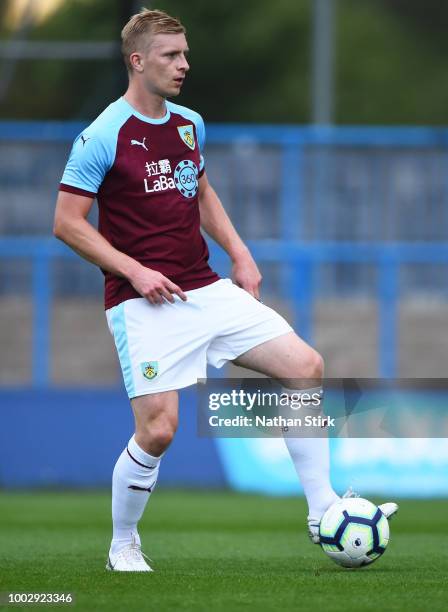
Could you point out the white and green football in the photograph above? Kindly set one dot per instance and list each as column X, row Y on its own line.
column 354, row 532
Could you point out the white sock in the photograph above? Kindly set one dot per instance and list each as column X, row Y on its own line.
column 134, row 477
column 311, row 458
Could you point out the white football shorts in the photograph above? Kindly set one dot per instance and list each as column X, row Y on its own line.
column 167, row 346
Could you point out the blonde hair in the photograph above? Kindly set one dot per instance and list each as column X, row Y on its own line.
column 141, row 25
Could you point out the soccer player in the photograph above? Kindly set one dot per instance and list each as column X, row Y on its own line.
column 169, row 312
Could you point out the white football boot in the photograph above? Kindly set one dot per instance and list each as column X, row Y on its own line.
column 389, row 509
column 313, row 530
column 129, row 559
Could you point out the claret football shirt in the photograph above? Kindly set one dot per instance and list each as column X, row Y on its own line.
column 144, row 173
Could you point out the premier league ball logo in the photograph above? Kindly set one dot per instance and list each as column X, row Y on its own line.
column 186, row 178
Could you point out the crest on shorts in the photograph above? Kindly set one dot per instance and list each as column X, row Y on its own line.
column 187, row 135
column 149, row 369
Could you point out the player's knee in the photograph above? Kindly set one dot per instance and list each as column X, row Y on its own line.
column 161, row 439
column 160, row 432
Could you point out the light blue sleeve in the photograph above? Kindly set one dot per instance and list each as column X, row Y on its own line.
column 91, row 157
column 93, row 152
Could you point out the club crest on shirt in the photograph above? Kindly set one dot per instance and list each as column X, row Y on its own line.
column 187, row 135
column 149, row 369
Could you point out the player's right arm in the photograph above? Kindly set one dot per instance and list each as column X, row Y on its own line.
column 71, row 226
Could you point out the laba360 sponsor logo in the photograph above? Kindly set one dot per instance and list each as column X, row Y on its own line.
column 185, row 178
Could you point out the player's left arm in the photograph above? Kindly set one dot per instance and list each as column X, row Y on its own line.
column 216, row 223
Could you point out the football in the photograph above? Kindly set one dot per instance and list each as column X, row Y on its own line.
column 354, row 532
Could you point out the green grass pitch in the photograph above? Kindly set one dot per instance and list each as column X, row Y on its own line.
column 216, row 551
